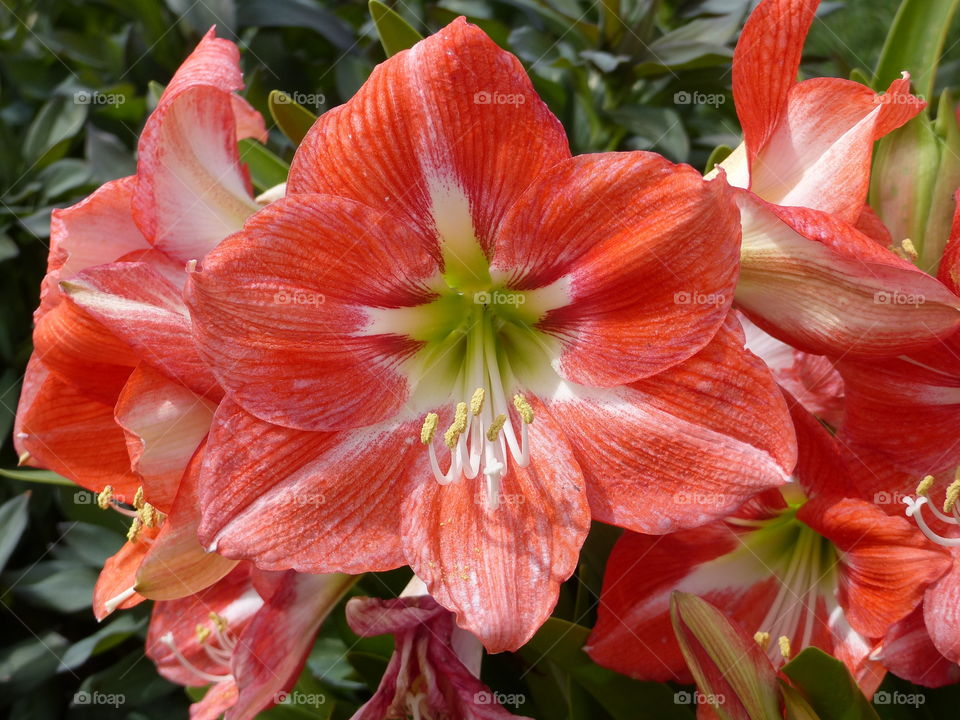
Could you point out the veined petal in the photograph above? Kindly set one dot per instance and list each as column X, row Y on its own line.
column 500, row 569
column 819, row 285
column 813, row 149
column 138, row 305
column 119, row 574
column 191, row 189
column 645, row 252
column 274, row 646
column 909, row 653
column 765, row 64
column 940, row 612
column 450, row 133
column 314, row 502
column 77, row 437
column 281, row 311
column 885, row 562
column 164, row 424
column 683, row 447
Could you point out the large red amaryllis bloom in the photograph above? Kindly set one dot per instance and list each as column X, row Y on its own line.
column 810, row 562
column 464, row 344
column 808, row 275
column 116, row 397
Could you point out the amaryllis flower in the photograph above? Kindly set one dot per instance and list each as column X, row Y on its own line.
column 808, row 275
column 116, row 397
column 810, row 562
column 427, row 676
column 247, row 637
column 812, row 380
column 465, row 343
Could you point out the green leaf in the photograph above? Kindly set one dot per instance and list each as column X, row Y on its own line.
column 722, row 660
column 106, row 637
column 58, row 586
column 828, row 687
column 298, row 14
column 717, row 156
column 266, row 169
column 45, row 477
column 395, row 33
column 13, row 521
column 915, row 43
column 59, row 120
column 28, row 663
column 293, row 119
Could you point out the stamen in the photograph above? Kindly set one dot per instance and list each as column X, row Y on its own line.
column 24, row 458
column 495, row 427
column 219, row 621
column 105, row 496
column 909, row 249
column 138, row 498
column 203, row 632
column 523, row 408
column 429, row 428
column 459, row 425
column 209, row 677
column 476, row 402
column 953, row 493
column 915, row 510
column 134, row 530
column 762, row 639
column 783, row 642
column 924, row 487
column 148, row 515
column 118, row 600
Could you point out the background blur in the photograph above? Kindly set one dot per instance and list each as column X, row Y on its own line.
column 77, row 79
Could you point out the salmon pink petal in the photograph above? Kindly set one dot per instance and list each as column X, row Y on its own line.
column 138, row 305
column 450, row 133
column 765, row 65
column 941, row 609
column 176, row 564
column 95, row 231
column 369, row 617
column 500, row 569
column 816, row 283
column 870, row 224
column 685, row 446
column 643, row 252
column 65, row 431
column 215, row 702
column 885, row 562
column 908, row 652
column 949, row 269
column 164, row 424
column 292, row 499
column 118, row 576
column 282, row 311
column 192, row 190
column 813, row 149
column 274, row 646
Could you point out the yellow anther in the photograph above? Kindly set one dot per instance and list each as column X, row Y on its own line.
column 762, row 639
column 105, row 496
column 953, row 493
column 134, row 530
column 138, row 498
column 909, row 249
column 476, row 402
column 219, row 621
column 429, row 428
column 495, row 427
column 459, row 425
column 148, row 515
column 784, row 644
column 523, row 407
column 203, row 632
column 924, row 487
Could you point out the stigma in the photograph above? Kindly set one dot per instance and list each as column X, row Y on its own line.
column 481, row 440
